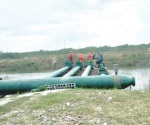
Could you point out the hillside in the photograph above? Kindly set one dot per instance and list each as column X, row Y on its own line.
column 125, row 56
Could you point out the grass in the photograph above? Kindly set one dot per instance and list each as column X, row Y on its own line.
column 45, row 62
column 81, row 106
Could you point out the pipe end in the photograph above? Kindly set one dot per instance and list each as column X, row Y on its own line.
column 133, row 81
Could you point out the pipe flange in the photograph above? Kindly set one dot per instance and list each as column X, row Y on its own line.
column 117, row 82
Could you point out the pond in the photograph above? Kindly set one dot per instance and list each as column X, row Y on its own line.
column 142, row 76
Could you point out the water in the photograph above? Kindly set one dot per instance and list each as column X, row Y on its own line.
column 24, row 75
column 142, row 76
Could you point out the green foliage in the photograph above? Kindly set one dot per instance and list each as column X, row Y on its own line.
column 124, row 55
column 41, row 88
column 126, row 47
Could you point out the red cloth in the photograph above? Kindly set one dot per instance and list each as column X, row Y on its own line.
column 89, row 57
column 80, row 58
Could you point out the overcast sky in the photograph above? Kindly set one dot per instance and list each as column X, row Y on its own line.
column 31, row 25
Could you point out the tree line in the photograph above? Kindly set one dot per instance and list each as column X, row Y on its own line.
column 125, row 47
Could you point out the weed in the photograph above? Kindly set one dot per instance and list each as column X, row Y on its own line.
column 81, row 106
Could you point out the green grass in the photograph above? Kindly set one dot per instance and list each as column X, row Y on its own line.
column 40, row 63
column 81, row 106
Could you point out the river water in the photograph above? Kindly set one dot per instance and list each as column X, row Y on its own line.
column 142, row 76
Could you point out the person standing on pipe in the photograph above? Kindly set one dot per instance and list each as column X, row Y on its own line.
column 94, row 59
column 99, row 59
column 89, row 57
column 71, row 56
column 81, row 59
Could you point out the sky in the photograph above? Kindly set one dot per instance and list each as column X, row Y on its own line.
column 33, row 25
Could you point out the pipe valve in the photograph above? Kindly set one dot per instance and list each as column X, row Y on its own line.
column 116, row 69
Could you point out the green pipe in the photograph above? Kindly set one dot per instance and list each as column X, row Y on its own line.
column 86, row 71
column 58, row 72
column 68, row 66
column 72, row 72
column 105, row 81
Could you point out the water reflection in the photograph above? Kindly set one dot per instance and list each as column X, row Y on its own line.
column 142, row 76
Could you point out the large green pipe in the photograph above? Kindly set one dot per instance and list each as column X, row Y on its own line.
column 106, row 81
column 68, row 66
column 58, row 72
column 87, row 71
column 72, row 72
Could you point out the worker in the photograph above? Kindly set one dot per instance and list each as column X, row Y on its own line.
column 81, row 58
column 99, row 59
column 71, row 56
column 94, row 57
column 89, row 57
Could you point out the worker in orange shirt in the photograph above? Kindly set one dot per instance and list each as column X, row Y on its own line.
column 71, row 56
column 89, row 57
column 81, row 58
